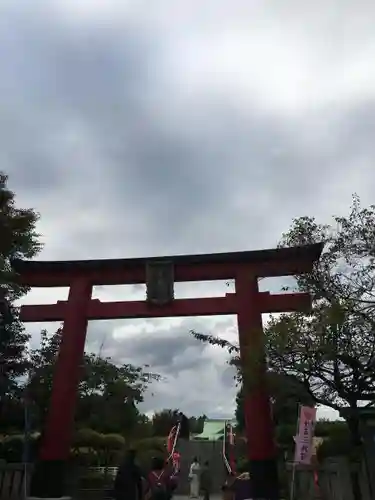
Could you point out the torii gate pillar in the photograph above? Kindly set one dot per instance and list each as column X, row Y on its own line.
column 160, row 274
column 258, row 415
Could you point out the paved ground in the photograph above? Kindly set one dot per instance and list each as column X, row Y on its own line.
column 186, row 497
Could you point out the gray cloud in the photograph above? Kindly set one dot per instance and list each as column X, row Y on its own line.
column 166, row 349
column 190, row 371
column 170, row 130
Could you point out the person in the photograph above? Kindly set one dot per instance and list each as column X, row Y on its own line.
column 128, row 482
column 206, row 481
column 194, row 478
column 228, row 487
column 160, row 482
column 176, row 459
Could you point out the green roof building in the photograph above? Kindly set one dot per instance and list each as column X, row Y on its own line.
column 213, row 430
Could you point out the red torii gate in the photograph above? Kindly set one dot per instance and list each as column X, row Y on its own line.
column 160, row 274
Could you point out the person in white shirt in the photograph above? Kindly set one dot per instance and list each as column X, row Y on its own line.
column 194, row 478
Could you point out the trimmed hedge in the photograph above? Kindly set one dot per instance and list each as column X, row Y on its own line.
column 89, row 448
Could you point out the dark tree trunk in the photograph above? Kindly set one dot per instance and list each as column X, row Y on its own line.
column 353, row 424
column 356, row 441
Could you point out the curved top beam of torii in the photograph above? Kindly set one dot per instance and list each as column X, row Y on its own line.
column 204, row 267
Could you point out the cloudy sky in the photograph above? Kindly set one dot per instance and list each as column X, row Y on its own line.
column 141, row 128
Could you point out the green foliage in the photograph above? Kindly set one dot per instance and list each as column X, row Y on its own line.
column 12, row 447
column 331, row 429
column 330, row 352
column 286, row 392
column 88, row 448
column 111, row 450
column 143, row 429
column 196, row 424
column 19, row 240
column 113, row 442
column 107, row 394
column 164, row 420
column 337, row 439
column 334, row 447
column 156, row 443
column 87, row 438
column 12, row 415
column 286, row 396
column 149, row 448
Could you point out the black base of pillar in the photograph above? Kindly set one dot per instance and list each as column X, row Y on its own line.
column 49, row 479
column 264, row 479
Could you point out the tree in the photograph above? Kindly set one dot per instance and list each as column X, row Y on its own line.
column 331, row 351
column 196, row 424
column 12, row 415
column 144, row 428
column 336, row 438
column 107, row 394
column 286, row 395
column 18, row 240
column 163, row 421
column 286, row 391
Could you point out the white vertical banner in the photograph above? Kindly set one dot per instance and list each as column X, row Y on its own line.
column 304, row 438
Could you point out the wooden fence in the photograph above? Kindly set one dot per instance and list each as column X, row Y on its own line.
column 334, row 482
column 12, row 484
column 15, row 482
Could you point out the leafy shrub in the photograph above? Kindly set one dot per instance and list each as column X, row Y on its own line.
column 149, row 448
column 113, row 442
column 12, row 448
column 87, row 438
column 333, row 447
